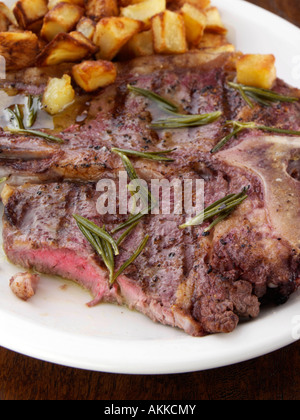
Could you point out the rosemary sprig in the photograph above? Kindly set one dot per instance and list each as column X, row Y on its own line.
column 240, row 126
column 162, row 102
column 220, row 209
column 98, row 231
column 135, row 255
column 32, row 107
column 17, row 120
column 99, row 246
column 262, row 96
column 36, row 133
column 185, row 121
column 150, row 156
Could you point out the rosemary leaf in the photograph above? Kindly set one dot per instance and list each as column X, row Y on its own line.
column 133, row 257
column 36, row 133
column 98, row 246
column 263, row 96
column 150, row 156
column 15, row 117
column 32, row 107
column 220, row 209
column 185, row 121
column 240, row 126
column 162, row 102
column 96, row 230
column 131, row 221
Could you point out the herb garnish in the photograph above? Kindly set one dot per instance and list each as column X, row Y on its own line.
column 146, row 155
column 17, row 120
column 106, row 247
column 185, row 121
column 162, row 102
column 177, row 120
column 262, row 96
column 240, row 126
column 220, row 209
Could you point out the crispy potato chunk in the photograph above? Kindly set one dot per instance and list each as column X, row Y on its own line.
column 112, row 34
column 6, row 11
column 87, row 27
column 200, row 4
column 20, row 49
column 58, row 94
column 52, row 3
column 92, row 75
column 214, row 21
column 28, row 12
column 98, row 9
column 140, row 45
column 215, row 43
column 4, row 22
column 65, row 48
column 144, row 11
column 169, row 33
column 256, row 70
column 62, row 18
column 195, row 22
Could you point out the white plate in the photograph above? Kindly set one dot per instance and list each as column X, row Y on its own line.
column 58, row 327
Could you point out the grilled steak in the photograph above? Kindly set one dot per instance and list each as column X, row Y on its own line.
column 201, row 284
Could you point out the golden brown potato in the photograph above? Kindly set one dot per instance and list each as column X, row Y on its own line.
column 58, row 94
column 98, row 9
column 6, row 11
column 140, row 45
column 52, row 3
column 125, row 3
column 4, row 22
column 112, row 34
column 214, row 21
column 195, row 22
column 87, row 27
column 92, row 75
column 144, row 11
column 256, row 70
column 19, row 49
column 29, row 12
column 215, row 43
column 62, row 18
column 200, row 4
column 169, row 33
column 65, row 48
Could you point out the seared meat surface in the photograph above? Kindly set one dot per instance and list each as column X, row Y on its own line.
column 201, row 284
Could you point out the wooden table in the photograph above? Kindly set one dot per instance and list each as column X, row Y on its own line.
column 272, row 377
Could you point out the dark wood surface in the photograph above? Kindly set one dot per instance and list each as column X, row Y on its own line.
column 272, row 377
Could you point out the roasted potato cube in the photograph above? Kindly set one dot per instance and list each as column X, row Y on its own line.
column 6, row 11
column 4, row 22
column 65, row 48
column 112, row 34
column 62, row 18
column 92, row 75
column 195, row 22
column 214, row 21
column 87, row 27
column 144, row 11
column 215, row 43
column 256, row 70
column 52, row 3
column 139, row 45
column 29, row 12
column 98, row 9
column 169, row 33
column 58, row 94
column 200, row 4
column 125, row 3
column 19, row 49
